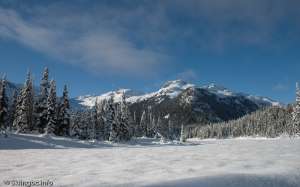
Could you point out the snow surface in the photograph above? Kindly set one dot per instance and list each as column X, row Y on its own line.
column 145, row 162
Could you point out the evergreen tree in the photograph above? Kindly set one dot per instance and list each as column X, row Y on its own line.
column 91, row 123
column 120, row 127
column 51, row 110
column 41, row 104
column 295, row 123
column 3, row 105
column 63, row 126
column 100, row 125
column 153, row 126
column 75, row 124
column 150, row 123
column 79, row 125
column 24, row 116
column 109, row 118
column 12, row 110
column 170, row 129
column 125, row 121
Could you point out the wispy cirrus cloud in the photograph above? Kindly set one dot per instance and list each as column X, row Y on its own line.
column 80, row 41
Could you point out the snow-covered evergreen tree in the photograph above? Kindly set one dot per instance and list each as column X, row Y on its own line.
column 109, row 117
column 41, row 103
column 138, row 131
column 97, row 115
column 24, row 116
column 79, row 124
column 63, row 126
column 51, row 110
column 75, row 124
column 102, row 120
column 3, row 105
column 12, row 110
column 126, row 121
column 295, row 123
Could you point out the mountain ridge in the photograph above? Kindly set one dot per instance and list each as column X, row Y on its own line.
column 171, row 89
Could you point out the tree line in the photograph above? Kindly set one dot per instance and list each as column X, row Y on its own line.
column 113, row 120
column 268, row 122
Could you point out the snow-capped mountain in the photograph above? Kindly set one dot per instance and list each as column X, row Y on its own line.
column 171, row 90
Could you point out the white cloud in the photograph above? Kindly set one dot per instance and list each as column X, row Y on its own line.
column 96, row 47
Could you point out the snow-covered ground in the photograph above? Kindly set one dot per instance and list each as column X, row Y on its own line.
column 240, row 162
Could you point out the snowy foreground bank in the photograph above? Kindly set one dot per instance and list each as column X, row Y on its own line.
column 144, row 162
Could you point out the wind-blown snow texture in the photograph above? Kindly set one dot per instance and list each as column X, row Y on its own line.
column 145, row 162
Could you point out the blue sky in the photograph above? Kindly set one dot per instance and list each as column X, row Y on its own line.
column 96, row 46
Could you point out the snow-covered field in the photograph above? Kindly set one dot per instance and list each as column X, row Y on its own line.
column 241, row 162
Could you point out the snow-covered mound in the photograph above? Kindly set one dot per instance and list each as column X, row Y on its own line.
column 208, row 163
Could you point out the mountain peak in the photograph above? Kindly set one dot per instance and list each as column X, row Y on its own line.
column 173, row 88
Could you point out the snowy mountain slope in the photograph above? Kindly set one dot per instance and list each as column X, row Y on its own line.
column 224, row 92
column 209, row 163
column 170, row 89
column 89, row 100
